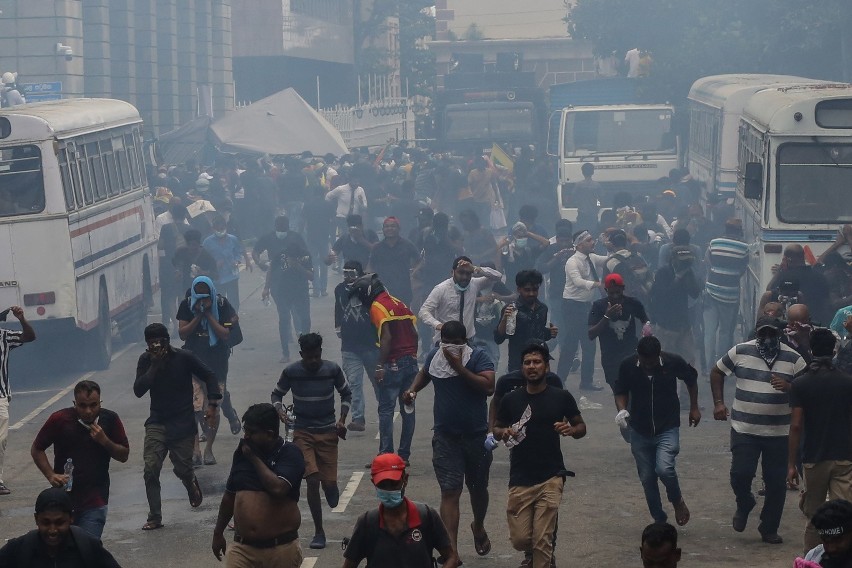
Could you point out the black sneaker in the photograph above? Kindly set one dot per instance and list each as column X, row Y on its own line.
column 741, row 517
column 4, row 490
column 773, row 538
column 575, row 365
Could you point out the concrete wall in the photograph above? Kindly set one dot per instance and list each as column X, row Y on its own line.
column 153, row 53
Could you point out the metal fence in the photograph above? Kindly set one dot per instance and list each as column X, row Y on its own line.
column 373, row 124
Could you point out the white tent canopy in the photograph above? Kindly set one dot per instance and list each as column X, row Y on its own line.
column 282, row 123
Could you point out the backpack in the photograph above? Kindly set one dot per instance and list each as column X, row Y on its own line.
column 637, row 276
column 371, row 523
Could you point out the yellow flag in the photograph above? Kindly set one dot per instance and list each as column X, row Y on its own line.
column 499, row 156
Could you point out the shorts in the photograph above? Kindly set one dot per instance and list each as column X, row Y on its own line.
column 460, row 460
column 320, row 452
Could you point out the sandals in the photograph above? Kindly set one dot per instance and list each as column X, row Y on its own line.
column 152, row 526
column 193, row 490
column 681, row 513
column 482, row 543
column 235, row 425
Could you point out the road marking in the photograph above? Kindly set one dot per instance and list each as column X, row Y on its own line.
column 50, row 402
column 347, row 494
column 20, row 393
column 395, row 416
column 309, row 562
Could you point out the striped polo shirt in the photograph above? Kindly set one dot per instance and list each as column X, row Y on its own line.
column 759, row 409
column 313, row 394
column 9, row 339
column 728, row 262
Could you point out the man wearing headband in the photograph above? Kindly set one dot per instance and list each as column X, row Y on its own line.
column 582, row 287
column 392, row 259
column 171, row 428
column 821, row 399
column 833, row 524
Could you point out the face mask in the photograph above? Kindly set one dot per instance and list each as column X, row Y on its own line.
column 390, row 499
column 451, row 347
column 521, row 242
column 460, row 288
column 768, row 347
column 281, row 234
column 220, row 233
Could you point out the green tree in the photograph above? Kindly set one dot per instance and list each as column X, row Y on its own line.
column 689, row 39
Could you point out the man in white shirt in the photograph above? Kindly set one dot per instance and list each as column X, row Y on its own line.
column 455, row 298
column 583, row 286
column 351, row 200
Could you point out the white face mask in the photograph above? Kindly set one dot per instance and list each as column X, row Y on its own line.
column 452, row 347
column 220, row 233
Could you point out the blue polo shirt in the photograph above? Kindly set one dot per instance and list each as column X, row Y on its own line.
column 228, row 252
column 459, row 407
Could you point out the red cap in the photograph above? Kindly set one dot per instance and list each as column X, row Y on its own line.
column 387, row 466
column 613, row 280
column 391, row 219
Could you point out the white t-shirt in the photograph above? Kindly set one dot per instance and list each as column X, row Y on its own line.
column 343, row 195
column 632, row 58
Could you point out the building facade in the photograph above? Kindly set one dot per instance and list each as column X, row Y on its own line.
column 169, row 58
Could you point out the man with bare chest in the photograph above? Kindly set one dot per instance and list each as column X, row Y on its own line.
column 262, row 495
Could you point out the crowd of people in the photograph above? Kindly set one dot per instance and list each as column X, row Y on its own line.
column 654, row 280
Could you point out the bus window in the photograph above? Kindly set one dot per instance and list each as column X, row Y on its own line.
column 85, row 176
column 21, row 181
column 93, row 153
column 133, row 157
column 121, row 163
column 815, row 183
column 67, row 183
column 113, row 183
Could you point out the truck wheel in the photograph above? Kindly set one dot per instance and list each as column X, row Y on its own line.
column 100, row 338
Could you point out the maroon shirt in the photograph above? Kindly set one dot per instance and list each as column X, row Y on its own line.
column 91, row 460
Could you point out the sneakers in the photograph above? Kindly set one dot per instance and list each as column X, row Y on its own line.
column 586, row 404
column 318, row 542
column 741, row 517
column 356, row 426
column 4, row 490
column 575, row 365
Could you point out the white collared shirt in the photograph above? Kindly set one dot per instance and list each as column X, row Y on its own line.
column 442, row 305
column 579, row 284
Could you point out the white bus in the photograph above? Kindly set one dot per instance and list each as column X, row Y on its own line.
column 795, row 176
column 716, row 104
column 77, row 244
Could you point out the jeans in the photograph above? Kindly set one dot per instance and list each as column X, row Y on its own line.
column 720, row 319
column 231, row 290
column 746, row 450
column 398, row 378
column 291, row 303
column 576, row 318
column 655, row 460
column 354, row 367
column 92, row 520
column 319, row 251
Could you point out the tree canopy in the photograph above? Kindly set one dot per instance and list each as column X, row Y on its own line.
column 689, row 39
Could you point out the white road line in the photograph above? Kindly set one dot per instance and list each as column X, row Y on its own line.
column 20, row 393
column 395, row 416
column 50, row 402
column 309, row 562
column 350, row 490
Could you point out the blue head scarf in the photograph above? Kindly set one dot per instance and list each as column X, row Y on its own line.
column 837, row 322
column 195, row 297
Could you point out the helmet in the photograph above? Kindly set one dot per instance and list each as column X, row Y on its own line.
column 8, row 78
column 368, row 287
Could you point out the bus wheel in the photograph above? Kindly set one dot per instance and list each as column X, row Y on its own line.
column 100, row 338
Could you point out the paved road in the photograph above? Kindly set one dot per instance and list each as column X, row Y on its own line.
column 602, row 514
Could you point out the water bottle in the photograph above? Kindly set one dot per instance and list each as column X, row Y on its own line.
column 512, row 320
column 69, row 471
column 490, row 442
column 647, row 329
column 291, row 424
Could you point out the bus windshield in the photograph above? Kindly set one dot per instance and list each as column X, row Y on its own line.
column 631, row 131
column 494, row 123
column 21, row 181
column 815, row 183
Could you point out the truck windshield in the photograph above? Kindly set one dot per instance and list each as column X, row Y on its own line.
column 624, row 131
column 21, row 181
column 815, row 183
column 500, row 122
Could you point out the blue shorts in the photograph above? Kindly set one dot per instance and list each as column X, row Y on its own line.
column 460, row 460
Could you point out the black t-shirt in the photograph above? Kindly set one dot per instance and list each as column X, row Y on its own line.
column 411, row 549
column 393, row 265
column 282, row 263
column 357, row 332
column 317, row 215
column 825, row 398
column 286, row 462
column 556, row 270
column 618, row 339
column 199, row 340
column 515, row 380
column 530, row 324
column 670, row 298
column 539, row 455
column 186, row 257
column 350, row 249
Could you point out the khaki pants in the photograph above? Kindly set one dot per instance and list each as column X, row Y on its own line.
column 283, row 556
column 832, row 478
column 155, row 448
column 531, row 512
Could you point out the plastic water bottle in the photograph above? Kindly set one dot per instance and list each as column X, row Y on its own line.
column 512, row 320
column 291, row 425
column 647, row 329
column 69, row 471
column 490, row 442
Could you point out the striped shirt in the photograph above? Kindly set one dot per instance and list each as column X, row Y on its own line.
column 728, row 260
column 759, row 409
column 9, row 339
column 313, row 394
